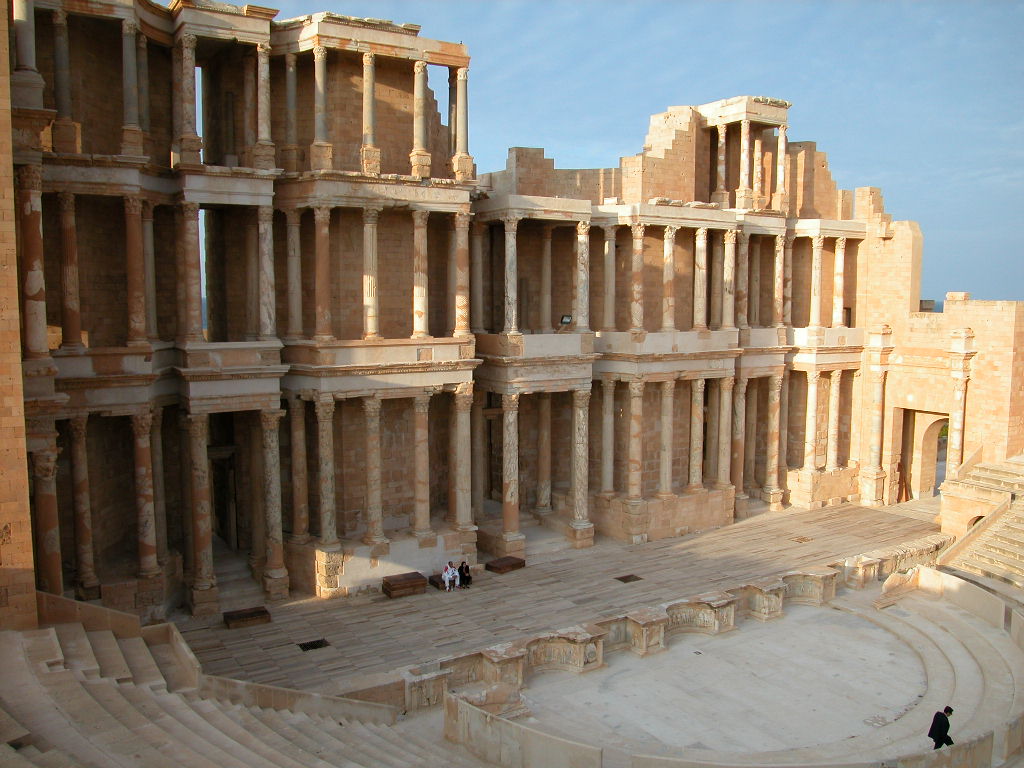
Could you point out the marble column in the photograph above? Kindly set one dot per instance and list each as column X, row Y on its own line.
column 371, row 299
column 70, row 309
column 754, row 278
column 834, row 390
column 636, row 280
column 716, row 246
column 131, row 133
column 374, row 507
column 721, row 194
column 47, row 524
column 192, row 268
column 581, row 285
column 476, row 276
column 421, row 466
column 838, row 284
column 149, row 270
column 545, row 325
column 453, row 101
column 145, row 515
column 878, row 420
column 787, row 281
column 462, row 162
column 773, row 491
column 189, row 142
column 202, row 529
column 725, row 390
column 739, row 418
column 420, row 294
column 88, row 583
column 668, row 281
column 510, row 467
column 609, row 277
column 696, row 434
column 608, row 436
column 778, row 283
column 449, row 294
column 817, row 244
column 729, row 281
column 744, row 194
column 321, row 153
column 543, row 453
column 369, row 153
column 419, row 158
column 33, row 287
column 290, row 151
column 293, row 219
column 742, row 273
column 322, row 274
column 579, row 491
column 780, row 200
column 478, row 436
column 635, row 454
column 750, row 434
column 156, row 452
column 811, row 422
column 325, row 473
column 263, row 151
column 784, row 424
column 700, row 281
column 275, row 575
column 511, row 324
column 463, row 461
column 65, row 132
column 668, row 389
column 955, row 444
column 461, row 287
column 135, row 271
column 299, row 472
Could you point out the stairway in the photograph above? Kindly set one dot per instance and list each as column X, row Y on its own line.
column 998, row 551
column 999, row 475
column 72, row 698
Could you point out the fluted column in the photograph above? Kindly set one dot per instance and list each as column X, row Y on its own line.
column 811, row 422
column 725, row 389
column 729, row 280
column 202, row 529
column 321, row 153
column 773, row 492
column 668, row 281
column 189, row 142
column 419, row 158
column 135, row 270
column 742, row 273
column 578, row 490
column 779, row 203
column 510, row 466
column 462, row 306
column 778, row 284
column 668, row 389
column 696, row 434
column 33, row 288
column 275, row 575
column 46, row 522
column 608, row 436
column 145, row 516
column 369, row 153
column 299, row 474
column 374, row 508
column 739, row 418
column 322, row 269
column 420, row 296
column 721, row 194
column 371, row 299
column 834, row 390
column 635, row 454
column 86, row 569
column 192, row 268
column 156, row 451
column 581, row 283
column 543, row 453
column 511, row 324
column 744, row 194
column 463, row 461
column 817, row 244
column 838, row 284
column 609, row 277
column 325, row 473
column 787, row 280
column 421, row 466
column 70, row 311
column 636, row 280
column 955, row 444
column 293, row 219
column 131, row 134
column 700, row 281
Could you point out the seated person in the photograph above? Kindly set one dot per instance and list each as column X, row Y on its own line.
column 450, row 576
column 465, row 577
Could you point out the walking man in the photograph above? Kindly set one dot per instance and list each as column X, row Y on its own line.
column 939, row 732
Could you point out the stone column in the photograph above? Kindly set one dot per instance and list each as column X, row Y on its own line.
column 420, row 297
column 511, row 282
column 759, row 170
column 70, row 312
column 750, row 435
column 668, row 281
column 955, row 444
column 778, row 285
column 725, row 389
column 371, row 300
column 510, row 467
column 877, row 419
column 263, row 152
column 369, row 153
column 419, row 158
column 462, row 162
column 838, row 284
column 696, row 434
column 635, row 455
column 462, row 307
column 252, row 278
column 131, row 133
column 248, row 67
column 581, row 285
column 88, row 584
column 33, row 291
column 729, row 281
column 322, row 273
column 754, row 277
column 453, row 102
column 135, row 271
column 811, row 422
column 721, row 194
column 290, row 151
column 668, row 389
column 191, row 284
column 476, row 277
column 608, row 436
column 739, row 418
column 449, row 303
column 636, row 280
column 787, row 281
column 142, row 59
column 325, row 473
column 700, row 281
column 834, row 390
column 149, row 269
column 609, row 277
column 299, row 476
column 203, row 578
column 772, row 490
column 478, row 436
column 817, row 243
column 543, row 453
column 716, row 246
column 321, row 153
column 65, row 132
column 463, row 462
column 784, row 424
column 47, row 524
column 26, row 82
column 190, row 144
column 293, row 218
column 156, row 452
column 579, row 490
column 781, row 197
column 421, row 466
column 275, row 575
column 742, row 271
column 145, row 515
column 744, row 194
column 185, row 494
column 374, row 507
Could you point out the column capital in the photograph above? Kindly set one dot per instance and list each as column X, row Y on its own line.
column 420, row 217
column 702, row 235
column 698, row 385
column 263, row 49
column 743, row 238
column 270, row 418
column 188, row 42
column 727, row 383
column 371, row 405
column 610, row 230
column 782, row 130
column 371, row 213
column 147, row 209
column 324, row 409
column 741, row 385
column 79, row 425
column 580, row 398
column 419, row 67
column 66, row 200
column 636, row 388
column 289, row 60
column 133, row 206
column 30, row 178
column 511, row 223
column 790, row 239
column 638, row 230
column 197, row 424
column 730, row 236
column 368, row 59
column 142, row 422
column 319, row 53
column 780, row 243
column 668, row 385
column 774, row 388
column 814, row 375
column 129, row 27
column 463, row 401
column 462, row 73
column 322, row 214
column 608, row 383
column 722, row 128
column 265, row 214
column 190, row 210
column 670, row 231
column 462, row 219
column 44, row 465
column 582, row 228
column 421, row 403
column 840, row 243
column 293, row 216
column 60, row 18
column 510, row 402
column 818, row 241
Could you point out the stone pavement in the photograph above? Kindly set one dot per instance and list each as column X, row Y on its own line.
column 372, row 634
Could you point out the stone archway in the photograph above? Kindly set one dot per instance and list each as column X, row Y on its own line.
column 928, row 463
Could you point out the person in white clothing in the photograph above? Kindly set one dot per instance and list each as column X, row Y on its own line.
column 450, row 576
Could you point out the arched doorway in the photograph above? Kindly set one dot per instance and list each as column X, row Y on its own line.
column 928, row 461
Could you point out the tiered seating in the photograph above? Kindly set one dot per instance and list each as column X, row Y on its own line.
column 998, row 551
column 75, row 699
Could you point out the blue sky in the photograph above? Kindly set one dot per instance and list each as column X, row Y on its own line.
column 923, row 99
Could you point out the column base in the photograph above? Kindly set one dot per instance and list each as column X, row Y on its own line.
column 872, row 487
column 321, row 156
column 463, row 166
column 509, row 544
column 369, row 160
column 744, row 198
column 542, row 511
column 262, row 155
column 426, row 538
column 133, row 141
column 419, row 160
column 66, row 137
column 190, row 149
column 203, row 602
column 581, row 534
column 26, row 89
column 780, row 201
column 773, row 497
column 87, row 591
column 722, row 198
column 275, row 584
column 301, row 538
column 290, row 157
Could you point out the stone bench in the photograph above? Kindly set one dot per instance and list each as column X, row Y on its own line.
column 505, row 564
column 402, row 584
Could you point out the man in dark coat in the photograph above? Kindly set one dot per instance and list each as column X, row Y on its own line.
column 939, row 732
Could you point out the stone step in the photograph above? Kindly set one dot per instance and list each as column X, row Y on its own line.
column 1003, row 546
column 989, row 569
column 258, row 730
column 13, row 758
column 12, row 732
column 140, row 661
column 1008, row 564
column 55, row 758
column 1006, row 592
column 42, row 649
column 175, row 677
column 108, row 655
column 389, row 744
column 77, row 650
column 320, row 748
column 328, row 733
column 434, row 753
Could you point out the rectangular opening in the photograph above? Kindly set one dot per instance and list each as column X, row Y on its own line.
column 627, row 578
column 312, row 645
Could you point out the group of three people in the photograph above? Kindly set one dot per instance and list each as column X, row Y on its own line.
column 456, row 578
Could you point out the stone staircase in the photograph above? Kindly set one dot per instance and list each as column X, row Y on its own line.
column 71, row 697
column 1001, row 476
column 997, row 551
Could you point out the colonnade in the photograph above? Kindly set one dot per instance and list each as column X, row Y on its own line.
column 811, row 442
column 750, row 192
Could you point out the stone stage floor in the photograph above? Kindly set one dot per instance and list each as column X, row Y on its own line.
column 370, row 634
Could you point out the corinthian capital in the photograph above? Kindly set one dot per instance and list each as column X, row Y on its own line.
column 319, row 53
column 582, row 228
column 637, row 230
column 730, row 237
